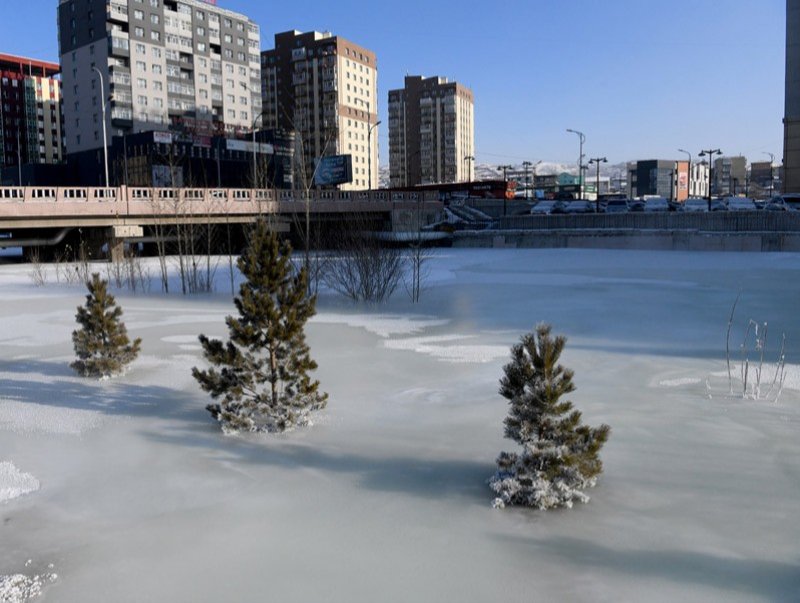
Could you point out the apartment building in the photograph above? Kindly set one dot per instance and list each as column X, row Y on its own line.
column 431, row 132
column 729, row 176
column 184, row 66
column 699, row 179
column 325, row 89
column 30, row 112
column 791, row 121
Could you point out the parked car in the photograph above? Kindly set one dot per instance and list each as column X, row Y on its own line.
column 775, row 204
column 560, row 207
column 739, row 204
column 656, row 204
column 791, row 201
column 579, row 207
column 544, row 207
column 616, row 206
column 718, row 205
column 695, row 204
column 636, row 206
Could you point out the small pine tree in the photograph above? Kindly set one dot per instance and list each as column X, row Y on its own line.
column 559, row 457
column 102, row 343
column 262, row 381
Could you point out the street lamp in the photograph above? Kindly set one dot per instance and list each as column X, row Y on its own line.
column 468, row 159
column 535, row 165
column 597, row 161
column 505, row 169
column 771, row 173
column 369, row 150
column 527, row 165
column 582, row 137
column 105, row 139
column 255, row 164
column 690, row 169
column 710, row 153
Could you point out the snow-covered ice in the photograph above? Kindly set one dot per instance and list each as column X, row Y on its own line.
column 139, row 497
column 14, row 483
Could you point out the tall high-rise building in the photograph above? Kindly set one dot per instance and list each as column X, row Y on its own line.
column 186, row 66
column 431, row 132
column 30, row 112
column 791, row 121
column 325, row 89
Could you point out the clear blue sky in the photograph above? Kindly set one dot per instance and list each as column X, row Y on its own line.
column 641, row 78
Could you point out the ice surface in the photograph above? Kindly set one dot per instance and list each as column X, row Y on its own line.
column 385, row 498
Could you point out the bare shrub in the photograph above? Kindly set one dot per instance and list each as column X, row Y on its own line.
column 364, row 267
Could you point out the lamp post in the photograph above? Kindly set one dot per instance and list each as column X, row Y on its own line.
column 369, row 150
column 505, row 169
column 103, row 103
column 597, row 161
column 771, row 173
column 582, row 138
column 710, row 154
column 469, row 159
column 527, row 165
column 255, row 164
column 689, row 193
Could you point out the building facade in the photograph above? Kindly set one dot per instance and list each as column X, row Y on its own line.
column 183, row 66
column 791, row 120
column 729, row 176
column 653, row 177
column 699, row 180
column 325, row 89
column 431, row 132
column 30, row 113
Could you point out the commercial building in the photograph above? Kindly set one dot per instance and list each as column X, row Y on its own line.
column 325, row 88
column 183, row 66
column 431, row 132
column 791, row 120
column 30, row 113
column 659, row 177
column 729, row 176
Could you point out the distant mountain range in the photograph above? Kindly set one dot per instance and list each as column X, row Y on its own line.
column 486, row 171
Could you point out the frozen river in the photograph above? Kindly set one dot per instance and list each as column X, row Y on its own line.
column 130, row 492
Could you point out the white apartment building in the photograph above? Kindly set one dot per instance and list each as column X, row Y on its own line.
column 181, row 65
column 324, row 88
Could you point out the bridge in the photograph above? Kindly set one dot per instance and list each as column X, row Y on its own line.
column 44, row 216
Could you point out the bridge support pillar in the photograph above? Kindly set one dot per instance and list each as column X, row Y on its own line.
column 115, row 237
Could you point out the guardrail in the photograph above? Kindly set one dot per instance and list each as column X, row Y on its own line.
column 723, row 221
column 30, row 194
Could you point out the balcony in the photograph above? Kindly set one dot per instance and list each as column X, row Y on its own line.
column 118, row 12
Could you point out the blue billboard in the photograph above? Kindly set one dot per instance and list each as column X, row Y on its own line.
column 335, row 169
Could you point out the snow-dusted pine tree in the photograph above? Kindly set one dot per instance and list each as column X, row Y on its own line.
column 102, row 343
column 262, row 380
column 559, row 457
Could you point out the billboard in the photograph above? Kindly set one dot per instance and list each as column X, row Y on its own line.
column 336, row 169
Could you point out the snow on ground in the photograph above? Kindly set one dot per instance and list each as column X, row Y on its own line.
column 14, row 483
column 140, row 497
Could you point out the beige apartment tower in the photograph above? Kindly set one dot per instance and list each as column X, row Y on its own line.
column 324, row 88
column 184, row 66
column 791, row 121
column 431, row 132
